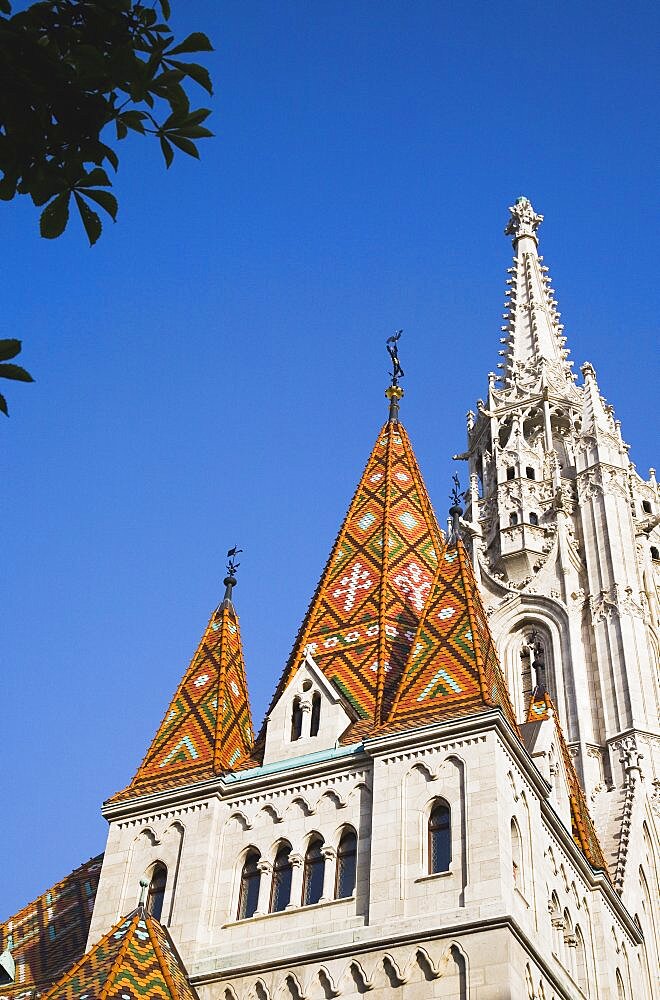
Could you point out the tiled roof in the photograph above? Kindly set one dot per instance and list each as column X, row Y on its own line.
column 541, row 708
column 134, row 960
column 50, row 933
column 207, row 728
column 452, row 668
column 367, row 606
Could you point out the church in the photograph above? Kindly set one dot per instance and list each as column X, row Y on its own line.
column 456, row 788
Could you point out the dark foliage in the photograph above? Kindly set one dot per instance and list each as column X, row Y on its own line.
column 9, row 349
column 68, row 70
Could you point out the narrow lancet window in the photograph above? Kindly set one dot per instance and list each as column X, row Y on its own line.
column 346, row 865
column 156, row 894
column 316, row 715
column 439, row 838
column 296, row 720
column 314, row 872
column 280, row 894
column 248, row 899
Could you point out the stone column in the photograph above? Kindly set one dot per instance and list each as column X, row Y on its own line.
column 266, row 870
column 297, row 863
column 329, row 873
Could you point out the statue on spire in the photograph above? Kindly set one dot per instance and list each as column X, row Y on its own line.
column 394, row 392
column 524, row 221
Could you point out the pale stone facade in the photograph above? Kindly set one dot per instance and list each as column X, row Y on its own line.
column 518, row 912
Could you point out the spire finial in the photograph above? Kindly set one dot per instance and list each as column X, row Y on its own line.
column 230, row 580
column 144, row 886
column 394, row 392
column 455, row 511
column 524, row 221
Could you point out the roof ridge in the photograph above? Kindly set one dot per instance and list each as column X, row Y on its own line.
column 162, row 961
column 116, row 965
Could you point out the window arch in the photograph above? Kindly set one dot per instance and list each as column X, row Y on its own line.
column 314, row 871
column 439, row 829
column 581, row 977
column 296, row 720
column 655, row 554
column 156, row 892
column 620, row 988
column 513, row 519
column 280, row 893
column 510, row 473
column 248, row 898
column 530, row 472
column 346, row 864
column 534, row 519
column 315, row 720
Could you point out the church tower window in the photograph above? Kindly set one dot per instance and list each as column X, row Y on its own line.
column 296, row 720
column 513, row 520
column 156, row 893
column 314, row 872
column 511, row 473
column 646, row 507
column 346, row 865
column 439, row 838
column 655, row 553
column 534, row 519
column 516, row 856
column 530, row 473
column 280, row 894
column 250, row 883
column 316, row 715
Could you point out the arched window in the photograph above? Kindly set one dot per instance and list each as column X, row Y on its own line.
column 513, row 520
column 529, row 472
column 511, row 473
column 296, row 719
column 439, row 838
column 534, row 519
column 313, row 872
column 655, row 554
column 248, row 899
column 516, row 856
column 156, row 893
column 280, row 893
column 316, row 714
column 646, row 507
column 620, row 988
column 346, row 865
column 581, row 977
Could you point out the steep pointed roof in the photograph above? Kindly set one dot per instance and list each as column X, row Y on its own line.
column 363, row 616
column 541, row 708
column 49, row 934
column 207, row 728
column 452, row 668
column 135, row 959
column 532, row 333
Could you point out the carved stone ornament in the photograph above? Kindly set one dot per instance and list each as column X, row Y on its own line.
column 524, row 221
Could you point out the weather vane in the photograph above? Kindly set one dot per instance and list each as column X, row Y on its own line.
column 455, row 510
column 456, row 496
column 232, row 565
column 394, row 392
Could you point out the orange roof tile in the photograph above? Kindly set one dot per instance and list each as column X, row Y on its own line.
column 368, row 603
column 134, row 960
column 452, row 668
column 50, row 933
column 207, row 728
column 541, row 708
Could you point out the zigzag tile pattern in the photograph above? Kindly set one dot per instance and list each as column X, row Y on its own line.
column 134, row 960
column 452, row 668
column 50, row 933
column 363, row 617
column 541, row 709
column 207, row 728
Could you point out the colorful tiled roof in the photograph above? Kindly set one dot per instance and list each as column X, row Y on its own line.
column 136, row 959
column 50, row 933
column 207, row 728
column 452, row 668
column 367, row 606
column 541, row 709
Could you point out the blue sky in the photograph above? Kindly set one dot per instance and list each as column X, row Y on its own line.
column 212, row 372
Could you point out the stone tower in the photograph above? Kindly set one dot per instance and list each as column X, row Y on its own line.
column 564, row 536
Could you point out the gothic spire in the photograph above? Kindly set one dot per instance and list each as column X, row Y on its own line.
column 366, row 608
column 532, row 335
column 207, row 729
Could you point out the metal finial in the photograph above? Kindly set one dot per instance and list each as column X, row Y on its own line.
column 144, row 887
column 394, row 392
column 230, row 580
column 456, row 511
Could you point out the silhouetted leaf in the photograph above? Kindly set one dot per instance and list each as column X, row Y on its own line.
column 9, row 349
column 15, row 373
column 197, row 42
column 90, row 220
column 104, row 199
column 168, row 152
column 184, row 144
column 55, row 216
column 198, row 73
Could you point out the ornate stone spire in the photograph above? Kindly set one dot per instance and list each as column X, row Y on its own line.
column 532, row 335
